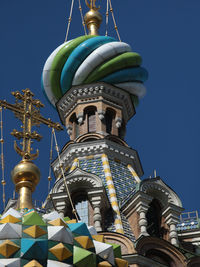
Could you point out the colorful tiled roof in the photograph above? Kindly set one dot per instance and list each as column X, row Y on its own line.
column 124, row 182
column 29, row 239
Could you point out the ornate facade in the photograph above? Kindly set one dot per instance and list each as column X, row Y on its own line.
column 95, row 82
column 103, row 174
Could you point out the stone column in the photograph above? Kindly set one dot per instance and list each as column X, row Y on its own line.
column 139, row 204
column 172, row 214
column 173, row 233
column 143, row 222
column 97, row 217
column 96, row 204
column 60, row 202
column 60, row 207
column 99, row 202
column 142, row 205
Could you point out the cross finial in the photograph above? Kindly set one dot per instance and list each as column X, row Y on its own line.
column 27, row 110
column 92, row 4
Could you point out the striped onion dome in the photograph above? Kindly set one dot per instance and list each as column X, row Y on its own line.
column 90, row 59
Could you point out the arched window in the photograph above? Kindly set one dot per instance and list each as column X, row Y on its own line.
column 81, row 206
column 122, row 130
column 153, row 216
column 75, row 125
column 90, row 113
column 109, row 118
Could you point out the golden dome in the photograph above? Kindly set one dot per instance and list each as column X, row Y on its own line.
column 25, row 176
column 93, row 20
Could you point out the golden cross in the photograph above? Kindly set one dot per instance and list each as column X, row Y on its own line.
column 27, row 110
column 92, row 4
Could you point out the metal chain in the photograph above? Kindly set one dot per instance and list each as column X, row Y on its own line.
column 113, row 17
column 107, row 18
column 63, row 174
column 3, row 182
column 50, row 159
column 69, row 20
column 82, row 18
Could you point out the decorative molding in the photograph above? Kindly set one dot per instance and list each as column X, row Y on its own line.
column 138, row 202
column 101, row 114
column 112, row 149
column 77, row 177
column 118, row 122
column 147, row 243
column 88, row 92
column 139, row 260
column 156, row 188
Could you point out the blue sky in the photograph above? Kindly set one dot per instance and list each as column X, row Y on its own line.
column 166, row 129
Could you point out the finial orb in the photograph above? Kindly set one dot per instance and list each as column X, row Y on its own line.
column 93, row 15
column 26, row 173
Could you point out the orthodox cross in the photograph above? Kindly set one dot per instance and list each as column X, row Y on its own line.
column 27, row 110
column 92, row 4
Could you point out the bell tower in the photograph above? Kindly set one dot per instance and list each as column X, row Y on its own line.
column 96, row 111
column 95, row 83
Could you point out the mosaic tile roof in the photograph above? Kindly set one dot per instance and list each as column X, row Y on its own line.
column 122, row 177
column 127, row 229
column 30, row 239
column 124, row 183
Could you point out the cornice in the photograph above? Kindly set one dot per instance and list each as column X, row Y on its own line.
column 78, row 150
column 157, row 188
column 88, row 92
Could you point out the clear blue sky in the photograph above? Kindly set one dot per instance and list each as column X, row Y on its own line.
column 166, row 128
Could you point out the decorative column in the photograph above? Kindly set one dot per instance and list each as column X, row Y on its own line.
column 99, row 201
column 142, row 220
column 69, row 129
column 173, row 233
column 61, row 211
column 101, row 114
column 60, row 204
column 96, row 204
column 80, row 118
column 140, row 204
column 172, row 214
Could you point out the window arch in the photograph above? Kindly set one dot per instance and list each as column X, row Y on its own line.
column 74, row 121
column 153, row 216
column 109, row 118
column 122, row 130
column 82, row 208
column 90, row 115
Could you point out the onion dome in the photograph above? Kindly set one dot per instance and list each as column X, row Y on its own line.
column 90, row 59
column 29, row 239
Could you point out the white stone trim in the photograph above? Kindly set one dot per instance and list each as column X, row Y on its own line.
column 112, row 149
column 112, row 94
column 156, row 188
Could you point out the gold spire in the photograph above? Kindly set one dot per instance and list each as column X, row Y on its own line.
column 93, row 18
column 26, row 174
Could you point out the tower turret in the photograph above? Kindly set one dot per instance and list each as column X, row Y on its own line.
column 95, row 82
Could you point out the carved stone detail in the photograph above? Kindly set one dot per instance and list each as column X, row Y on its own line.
column 112, row 94
column 126, row 154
